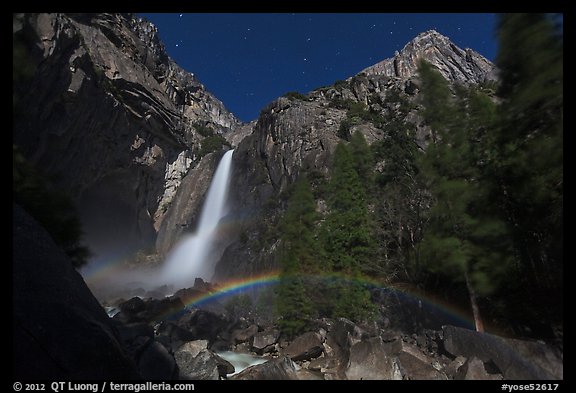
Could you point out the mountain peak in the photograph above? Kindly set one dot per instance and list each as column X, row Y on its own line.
column 455, row 64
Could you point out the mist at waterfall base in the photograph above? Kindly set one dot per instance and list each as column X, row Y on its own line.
column 193, row 256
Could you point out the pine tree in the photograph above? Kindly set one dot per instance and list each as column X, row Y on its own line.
column 347, row 234
column 348, row 238
column 362, row 158
column 299, row 255
column 399, row 197
column 293, row 305
column 464, row 238
column 528, row 162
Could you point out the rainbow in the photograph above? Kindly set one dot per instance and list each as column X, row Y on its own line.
column 238, row 286
column 233, row 287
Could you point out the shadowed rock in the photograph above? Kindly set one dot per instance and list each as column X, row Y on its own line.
column 60, row 330
column 516, row 359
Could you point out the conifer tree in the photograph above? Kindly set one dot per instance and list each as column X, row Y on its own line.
column 464, row 238
column 299, row 255
column 528, row 147
column 348, row 238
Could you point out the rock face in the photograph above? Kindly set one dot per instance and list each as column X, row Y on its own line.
column 111, row 116
column 60, row 330
column 455, row 64
column 296, row 134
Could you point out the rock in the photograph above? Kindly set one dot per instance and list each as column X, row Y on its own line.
column 452, row 369
column 155, row 363
column 516, row 359
column 132, row 306
column 60, row 331
column 204, row 325
column 305, row 347
column 368, row 360
column 416, row 365
column 176, row 334
column 129, row 332
column 277, row 369
column 169, row 308
column 307, row 375
column 473, row 369
column 243, row 335
column 340, row 334
column 264, row 341
column 195, row 361
column 323, row 364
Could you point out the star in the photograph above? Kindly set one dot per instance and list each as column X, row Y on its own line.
column 181, row 15
column 308, row 39
column 305, row 59
column 177, row 45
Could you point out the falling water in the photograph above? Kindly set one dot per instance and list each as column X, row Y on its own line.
column 191, row 256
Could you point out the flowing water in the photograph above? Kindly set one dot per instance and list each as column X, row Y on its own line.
column 241, row 361
column 191, row 256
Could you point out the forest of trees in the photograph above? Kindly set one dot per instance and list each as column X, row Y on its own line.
column 476, row 215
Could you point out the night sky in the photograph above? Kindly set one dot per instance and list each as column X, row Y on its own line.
column 248, row 60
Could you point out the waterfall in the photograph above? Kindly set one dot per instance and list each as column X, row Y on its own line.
column 191, row 256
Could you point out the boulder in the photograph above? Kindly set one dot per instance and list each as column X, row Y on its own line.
column 307, row 375
column 516, row 359
column 176, row 335
column 323, row 364
column 305, row 347
column 195, row 361
column 452, row 369
column 60, row 331
column 204, row 325
column 243, row 335
column 156, row 363
column 264, row 341
column 170, row 308
column 338, row 338
column 416, row 365
column 368, row 360
column 473, row 369
column 132, row 306
column 282, row 368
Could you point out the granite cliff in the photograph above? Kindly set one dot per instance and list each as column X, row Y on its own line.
column 114, row 120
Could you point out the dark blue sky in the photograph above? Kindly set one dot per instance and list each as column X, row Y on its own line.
column 248, row 60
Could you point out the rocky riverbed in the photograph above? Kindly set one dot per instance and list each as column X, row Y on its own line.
column 168, row 340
